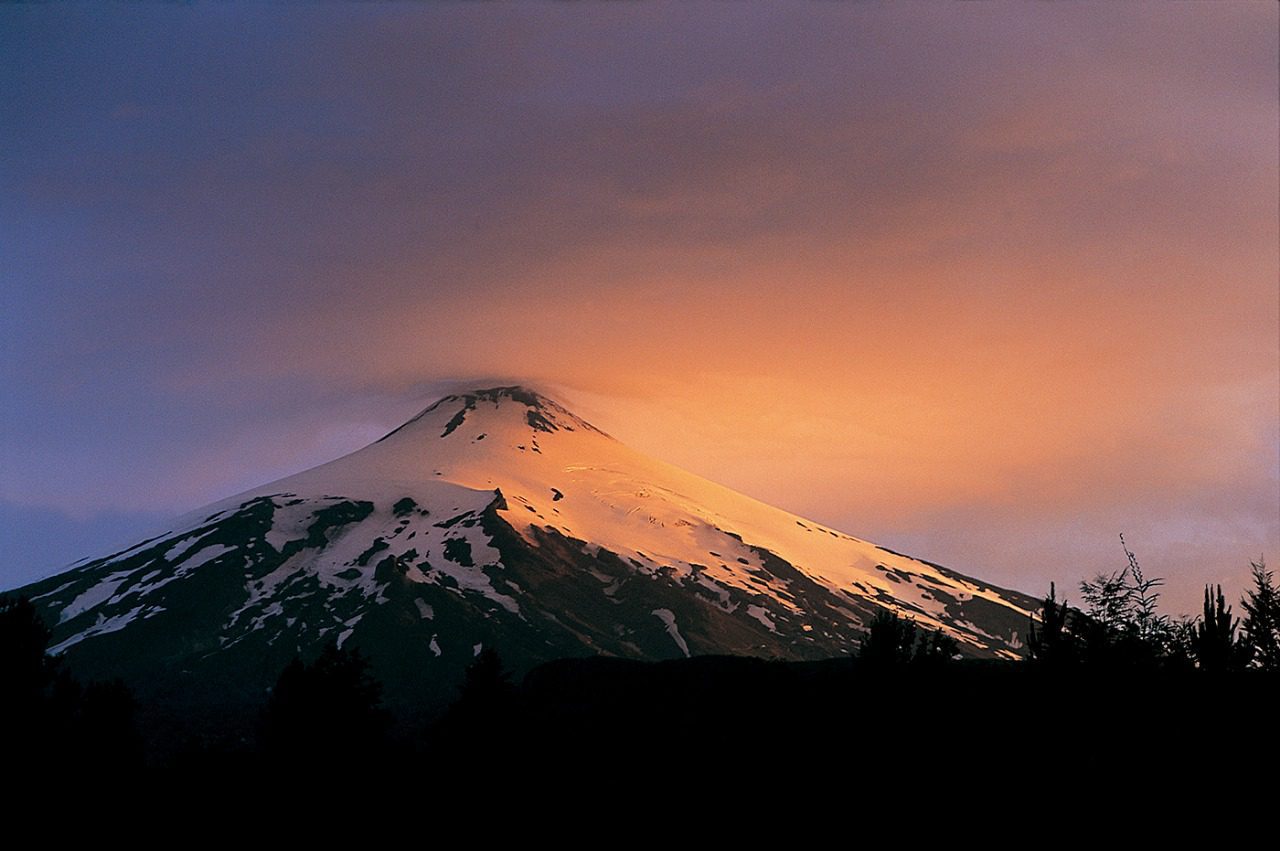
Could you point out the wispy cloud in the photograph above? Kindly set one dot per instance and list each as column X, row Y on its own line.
column 976, row 277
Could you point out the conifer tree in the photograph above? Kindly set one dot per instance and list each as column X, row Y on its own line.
column 1053, row 644
column 889, row 640
column 326, row 711
column 25, row 670
column 56, row 723
column 935, row 649
column 1261, row 626
column 1216, row 648
column 485, row 698
column 486, row 681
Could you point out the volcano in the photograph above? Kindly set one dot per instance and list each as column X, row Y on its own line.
column 494, row 518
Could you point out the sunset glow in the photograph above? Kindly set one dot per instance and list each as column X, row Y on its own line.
column 985, row 283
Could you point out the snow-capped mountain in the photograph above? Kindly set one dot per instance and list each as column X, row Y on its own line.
column 494, row 518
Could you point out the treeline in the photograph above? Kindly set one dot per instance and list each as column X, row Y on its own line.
column 49, row 719
column 1121, row 627
column 1108, row 685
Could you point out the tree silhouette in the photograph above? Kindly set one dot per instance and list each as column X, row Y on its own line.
column 483, row 708
column 59, row 725
column 935, row 649
column 1261, row 626
column 1215, row 645
column 1053, row 644
column 1108, row 597
column 1104, row 629
column 1122, row 626
column 326, row 712
column 889, row 640
column 27, row 676
column 486, row 686
column 1180, row 650
column 1148, row 626
column 24, row 668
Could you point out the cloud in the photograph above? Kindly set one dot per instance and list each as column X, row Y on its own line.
column 893, row 267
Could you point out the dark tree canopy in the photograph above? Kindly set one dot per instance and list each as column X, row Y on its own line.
column 889, row 640
column 892, row 640
column 486, row 680
column 326, row 711
column 24, row 667
column 64, row 726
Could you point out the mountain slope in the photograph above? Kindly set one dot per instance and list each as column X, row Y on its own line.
column 497, row 518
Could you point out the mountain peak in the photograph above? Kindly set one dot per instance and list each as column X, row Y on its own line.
column 496, row 517
column 540, row 413
column 513, row 392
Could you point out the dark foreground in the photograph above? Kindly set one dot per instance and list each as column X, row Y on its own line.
column 581, row 726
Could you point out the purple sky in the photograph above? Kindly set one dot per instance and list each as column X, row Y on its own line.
column 984, row 283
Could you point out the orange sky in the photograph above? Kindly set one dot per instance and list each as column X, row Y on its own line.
column 989, row 284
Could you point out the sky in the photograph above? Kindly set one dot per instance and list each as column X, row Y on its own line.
column 988, row 284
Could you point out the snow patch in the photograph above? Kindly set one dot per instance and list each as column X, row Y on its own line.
column 103, row 626
column 350, row 628
column 96, row 595
column 205, row 556
column 668, row 617
column 181, row 545
column 761, row 614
